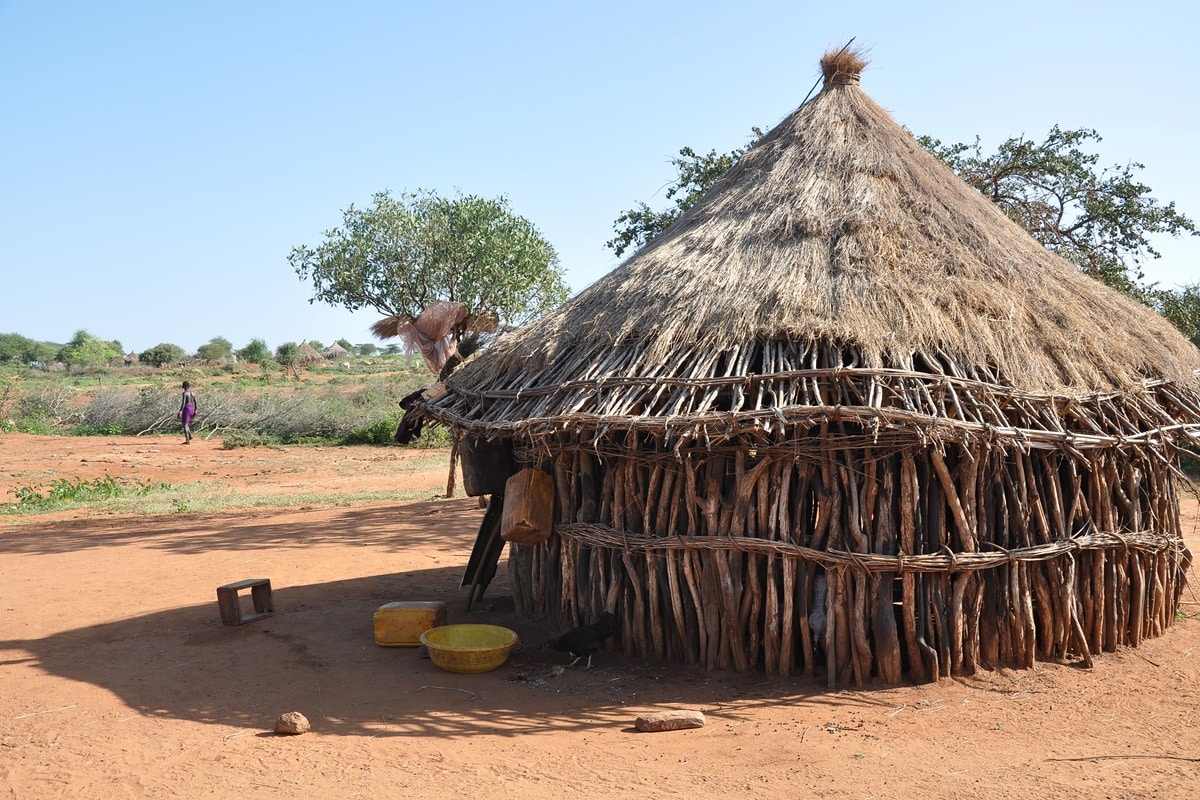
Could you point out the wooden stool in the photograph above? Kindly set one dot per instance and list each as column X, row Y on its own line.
column 231, row 608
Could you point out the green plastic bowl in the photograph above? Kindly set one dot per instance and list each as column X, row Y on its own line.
column 468, row 648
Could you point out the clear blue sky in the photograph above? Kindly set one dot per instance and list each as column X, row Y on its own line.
column 158, row 160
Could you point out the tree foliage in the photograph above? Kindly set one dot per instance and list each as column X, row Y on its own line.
column 1181, row 307
column 400, row 255
column 255, row 352
column 287, row 354
column 1100, row 219
column 85, row 350
column 697, row 174
column 218, row 348
column 15, row 347
column 162, row 354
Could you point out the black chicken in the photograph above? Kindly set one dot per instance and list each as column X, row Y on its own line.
column 586, row 639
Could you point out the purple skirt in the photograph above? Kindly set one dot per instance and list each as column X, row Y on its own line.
column 189, row 411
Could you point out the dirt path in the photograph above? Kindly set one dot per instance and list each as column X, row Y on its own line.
column 117, row 679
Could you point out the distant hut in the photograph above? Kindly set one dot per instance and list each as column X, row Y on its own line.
column 308, row 355
column 845, row 417
column 335, row 351
column 131, row 358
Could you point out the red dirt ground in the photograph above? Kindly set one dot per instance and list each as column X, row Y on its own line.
column 118, row 680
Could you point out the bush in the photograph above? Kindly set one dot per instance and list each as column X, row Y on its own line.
column 236, row 439
column 108, row 429
column 381, row 431
column 251, row 408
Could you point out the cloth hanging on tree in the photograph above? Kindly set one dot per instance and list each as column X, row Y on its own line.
column 432, row 332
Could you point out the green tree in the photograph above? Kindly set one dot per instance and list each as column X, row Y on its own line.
column 1181, row 307
column 42, row 353
column 15, row 347
column 162, row 354
column 364, row 349
column 256, row 352
column 345, row 345
column 85, row 350
column 217, row 349
column 697, row 174
column 401, row 255
column 287, row 354
column 1100, row 219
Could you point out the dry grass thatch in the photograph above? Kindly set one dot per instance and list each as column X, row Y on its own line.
column 838, row 227
column 844, row 415
column 308, row 355
column 843, row 66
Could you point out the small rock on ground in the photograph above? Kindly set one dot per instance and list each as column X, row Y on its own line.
column 669, row 721
column 293, row 722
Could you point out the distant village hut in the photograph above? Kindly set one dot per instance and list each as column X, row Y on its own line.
column 335, row 351
column 308, row 355
column 843, row 417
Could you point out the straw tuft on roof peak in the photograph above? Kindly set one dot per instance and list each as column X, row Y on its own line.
column 843, row 66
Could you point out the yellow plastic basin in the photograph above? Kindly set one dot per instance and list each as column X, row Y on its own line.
column 468, row 648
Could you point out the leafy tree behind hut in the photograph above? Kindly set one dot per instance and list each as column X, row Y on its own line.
column 255, row 352
column 85, row 351
column 287, row 354
column 1100, row 219
column 401, row 254
column 161, row 355
column 217, row 349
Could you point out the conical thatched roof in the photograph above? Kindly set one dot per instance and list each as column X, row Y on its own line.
column 836, row 228
column 335, row 350
column 308, row 355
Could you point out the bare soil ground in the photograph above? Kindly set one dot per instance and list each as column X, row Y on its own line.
column 118, row 680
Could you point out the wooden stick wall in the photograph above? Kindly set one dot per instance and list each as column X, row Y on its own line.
column 734, row 559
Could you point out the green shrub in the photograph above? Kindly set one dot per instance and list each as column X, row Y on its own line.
column 106, row 429
column 64, row 491
column 236, row 439
column 380, row 431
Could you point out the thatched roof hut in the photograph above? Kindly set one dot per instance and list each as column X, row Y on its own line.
column 335, row 350
column 308, row 355
column 845, row 415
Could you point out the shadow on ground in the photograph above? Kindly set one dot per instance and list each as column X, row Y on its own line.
column 317, row 654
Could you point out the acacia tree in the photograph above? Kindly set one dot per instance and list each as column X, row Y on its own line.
column 400, row 255
column 218, row 349
column 697, row 174
column 160, row 354
column 287, row 354
column 1181, row 307
column 15, row 347
column 85, row 350
column 1099, row 219
column 255, row 352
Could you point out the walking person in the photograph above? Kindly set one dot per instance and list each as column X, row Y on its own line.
column 187, row 411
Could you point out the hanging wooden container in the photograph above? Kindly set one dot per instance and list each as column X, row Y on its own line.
column 528, row 508
column 486, row 465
